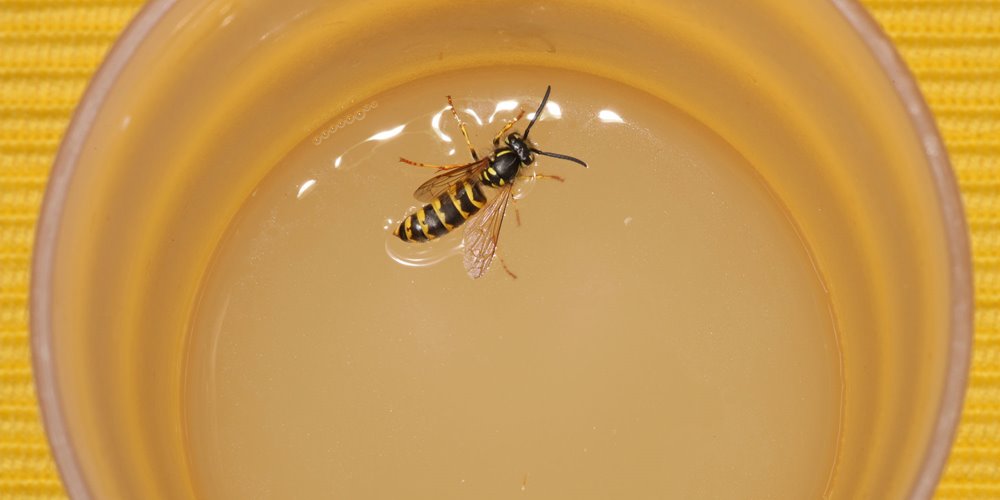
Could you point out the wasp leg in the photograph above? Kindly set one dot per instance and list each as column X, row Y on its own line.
column 428, row 165
column 507, row 269
column 548, row 176
column 499, row 136
column 517, row 213
column 465, row 133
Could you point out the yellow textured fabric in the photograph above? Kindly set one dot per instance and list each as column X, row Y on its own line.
column 48, row 51
column 50, row 48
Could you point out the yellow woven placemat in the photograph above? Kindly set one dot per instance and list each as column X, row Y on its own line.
column 50, row 48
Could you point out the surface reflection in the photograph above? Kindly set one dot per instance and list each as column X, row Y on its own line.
column 385, row 135
column 502, row 106
column 472, row 113
column 608, row 116
column 436, row 125
column 305, row 187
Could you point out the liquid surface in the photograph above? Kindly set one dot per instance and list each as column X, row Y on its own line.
column 667, row 336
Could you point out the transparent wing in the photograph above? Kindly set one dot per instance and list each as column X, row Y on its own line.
column 482, row 232
column 441, row 182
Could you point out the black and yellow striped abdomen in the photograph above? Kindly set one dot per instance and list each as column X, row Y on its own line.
column 446, row 212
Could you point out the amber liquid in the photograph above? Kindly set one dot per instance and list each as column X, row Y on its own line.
column 667, row 335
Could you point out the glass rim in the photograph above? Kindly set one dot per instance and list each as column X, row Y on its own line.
column 856, row 15
column 957, row 232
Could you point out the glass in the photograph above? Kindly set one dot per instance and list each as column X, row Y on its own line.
column 200, row 100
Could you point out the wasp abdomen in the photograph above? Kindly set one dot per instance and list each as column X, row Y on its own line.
column 446, row 212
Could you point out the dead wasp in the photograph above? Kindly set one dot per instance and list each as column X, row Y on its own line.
column 455, row 196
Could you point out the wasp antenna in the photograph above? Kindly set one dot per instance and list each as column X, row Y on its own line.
column 545, row 99
column 562, row 157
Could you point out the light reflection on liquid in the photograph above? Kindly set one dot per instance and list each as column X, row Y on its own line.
column 436, row 125
column 305, row 187
column 379, row 137
column 472, row 113
column 608, row 116
column 421, row 255
column 554, row 109
column 501, row 107
column 385, row 135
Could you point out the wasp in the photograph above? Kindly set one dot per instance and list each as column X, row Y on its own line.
column 455, row 196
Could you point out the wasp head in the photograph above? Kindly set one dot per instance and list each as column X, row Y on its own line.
column 520, row 148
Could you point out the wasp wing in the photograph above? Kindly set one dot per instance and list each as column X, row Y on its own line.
column 482, row 232
column 441, row 182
